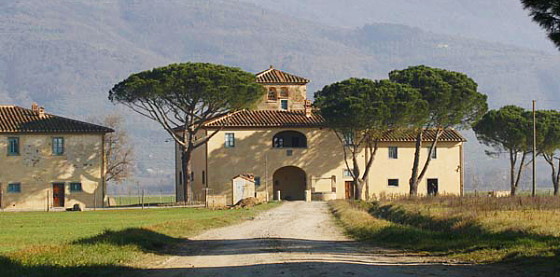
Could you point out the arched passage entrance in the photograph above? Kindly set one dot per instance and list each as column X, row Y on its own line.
column 291, row 182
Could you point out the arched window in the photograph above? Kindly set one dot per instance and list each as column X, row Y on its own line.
column 272, row 94
column 289, row 139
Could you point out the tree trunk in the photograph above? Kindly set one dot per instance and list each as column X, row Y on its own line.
column 359, row 188
column 187, row 172
column 358, row 182
column 554, row 177
column 429, row 158
column 413, row 181
column 556, row 183
column 512, row 160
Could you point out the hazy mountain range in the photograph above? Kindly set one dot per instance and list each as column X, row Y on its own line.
column 66, row 55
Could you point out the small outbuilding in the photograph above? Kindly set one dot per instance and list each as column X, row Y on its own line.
column 243, row 186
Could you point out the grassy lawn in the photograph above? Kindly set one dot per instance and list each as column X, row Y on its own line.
column 124, row 200
column 98, row 243
column 522, row 231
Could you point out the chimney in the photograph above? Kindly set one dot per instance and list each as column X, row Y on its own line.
column 35, row 107
column 308, row 108
column 41, row 112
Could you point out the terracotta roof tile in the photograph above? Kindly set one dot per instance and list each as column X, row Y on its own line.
column 275, row 76
column 289, row 119
column 15, row 119
column 267, row 118
column 428, row 135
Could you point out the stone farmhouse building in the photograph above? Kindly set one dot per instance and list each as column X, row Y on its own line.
column 50, row 161
column 284, row 146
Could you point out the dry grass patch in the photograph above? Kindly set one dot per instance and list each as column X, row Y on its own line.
column 485, row 230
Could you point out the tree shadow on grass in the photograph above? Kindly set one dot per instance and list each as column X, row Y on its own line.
column 10, row 268
column 457, row 235
column 146, row 240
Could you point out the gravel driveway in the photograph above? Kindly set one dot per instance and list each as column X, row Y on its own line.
column 299, row 239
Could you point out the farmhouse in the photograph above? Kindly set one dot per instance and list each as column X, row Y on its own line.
column 284, row 146
column 49, row 161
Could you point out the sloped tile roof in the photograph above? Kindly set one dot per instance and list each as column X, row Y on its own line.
column 267, row 118
column 450, row 135
column 275, row 76
column 14, row 119
column 277, row 118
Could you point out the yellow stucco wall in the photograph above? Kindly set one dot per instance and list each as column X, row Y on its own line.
column 296, row 97
column 322, row 159
column 36, row 169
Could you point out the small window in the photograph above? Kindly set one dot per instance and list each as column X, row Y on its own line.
column 13, row 146
column 203, row 177
column 393, row 152
column 347, row 173
column 284, row 92
column 284, row 104
column 272, row 94
column 349, row 139
column 75, row 187
column 58, row 146
column 230, row 140
column 434, row 153
column 14, row 188
column 257, row 181
column 192, row 176
column 393, row 182
column 289, row 152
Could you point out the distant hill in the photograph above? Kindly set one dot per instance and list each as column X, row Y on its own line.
column 66, row 55
column 502, row 21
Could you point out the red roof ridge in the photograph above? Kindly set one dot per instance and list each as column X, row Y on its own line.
column 273, row 75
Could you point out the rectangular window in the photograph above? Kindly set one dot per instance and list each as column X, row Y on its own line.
column 349, row 139
column 14, row 188
column 230, row 140
column 289, row 152
column 192, row 176
column 346, row 173
column 13, row 146
column 393, row 152
column 284, row 104
column 434, row 154
column 257, row 181
column 393, row 182
column 58, row 146
column 75, row 187
column 203, row 177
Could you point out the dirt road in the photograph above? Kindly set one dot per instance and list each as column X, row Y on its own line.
column 298, row 239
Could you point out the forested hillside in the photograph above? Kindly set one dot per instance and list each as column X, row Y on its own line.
column 66, row 55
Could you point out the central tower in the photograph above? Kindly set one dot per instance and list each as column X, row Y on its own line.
column 285, row 91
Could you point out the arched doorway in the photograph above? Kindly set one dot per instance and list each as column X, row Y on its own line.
column 291, row 182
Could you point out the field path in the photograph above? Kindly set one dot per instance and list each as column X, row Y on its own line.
column 298, row 239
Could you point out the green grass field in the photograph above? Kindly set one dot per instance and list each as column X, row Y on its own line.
column 522, row 231
column 98, row 243
column 125, row 200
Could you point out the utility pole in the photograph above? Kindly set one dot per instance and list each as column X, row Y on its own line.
column 534, row 150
